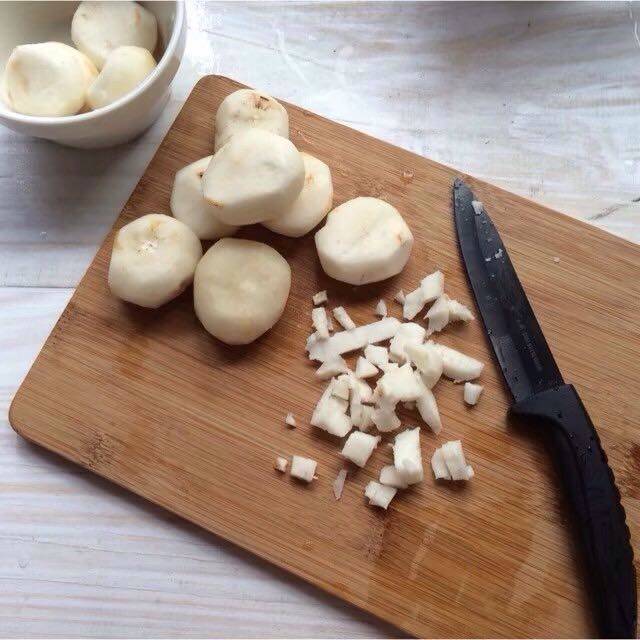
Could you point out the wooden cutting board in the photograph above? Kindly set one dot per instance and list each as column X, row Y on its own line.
column 152, row 402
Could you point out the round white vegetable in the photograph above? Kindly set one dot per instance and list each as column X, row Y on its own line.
column 256, row 176
column 98, row 28
column 245, row 109
column 153, row 260
column 47, row 79
column 125, row 68
column 313, row 203
column 364, row 240
column 240, row 289
column 189, row 206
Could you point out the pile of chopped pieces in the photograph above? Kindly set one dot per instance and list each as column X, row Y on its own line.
column 407, row 371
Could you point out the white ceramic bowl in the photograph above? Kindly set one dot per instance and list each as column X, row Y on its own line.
column 28, row 22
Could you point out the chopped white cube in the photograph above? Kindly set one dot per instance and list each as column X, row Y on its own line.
column 439, row 466
column 458, row 312
column 385, row 418
column 407, row 458
column 280, row 464
column 319, row 320
column 432, row 286
column 428, row 409
column 303, row 468
column 376, row 355
column 413, row 303
column 365, row 418
column 427, row 358
column 400, row 297
column 472, row 392
column 407, row 333
column 458, row 366
column 345, row 341
column 320, row 297
column 341, row 315
column 400, row 385
column 290, row 420
column 389, row 475
column 379, row 495
column 364, row 390
column 381, row 309
column 330, row 414
column 341, row 388
column 361, row 414
column 359, row 447
column 331, row 367
column 364, row 369
column 438, row 315
column 455, row 461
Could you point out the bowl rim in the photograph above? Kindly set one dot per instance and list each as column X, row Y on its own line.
column 172, row 45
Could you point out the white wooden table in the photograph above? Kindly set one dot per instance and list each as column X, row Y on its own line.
column 539, row 98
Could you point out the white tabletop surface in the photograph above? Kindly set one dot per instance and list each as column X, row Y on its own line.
column 539, row 98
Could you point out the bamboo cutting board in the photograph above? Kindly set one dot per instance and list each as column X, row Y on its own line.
column 152, row 402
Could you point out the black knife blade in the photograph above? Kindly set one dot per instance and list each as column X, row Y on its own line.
column 542, row 397
column 518, row 342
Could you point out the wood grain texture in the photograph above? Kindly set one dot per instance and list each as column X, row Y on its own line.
column 152, row 402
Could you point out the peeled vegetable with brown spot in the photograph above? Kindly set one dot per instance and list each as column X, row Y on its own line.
column 98, row 28
column 153, row 260
column 248, row 109
column 312, row 204
column 189, row 206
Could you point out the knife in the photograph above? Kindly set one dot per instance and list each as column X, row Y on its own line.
column 542, row 397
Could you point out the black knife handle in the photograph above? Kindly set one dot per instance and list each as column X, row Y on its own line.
column 593, row 495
